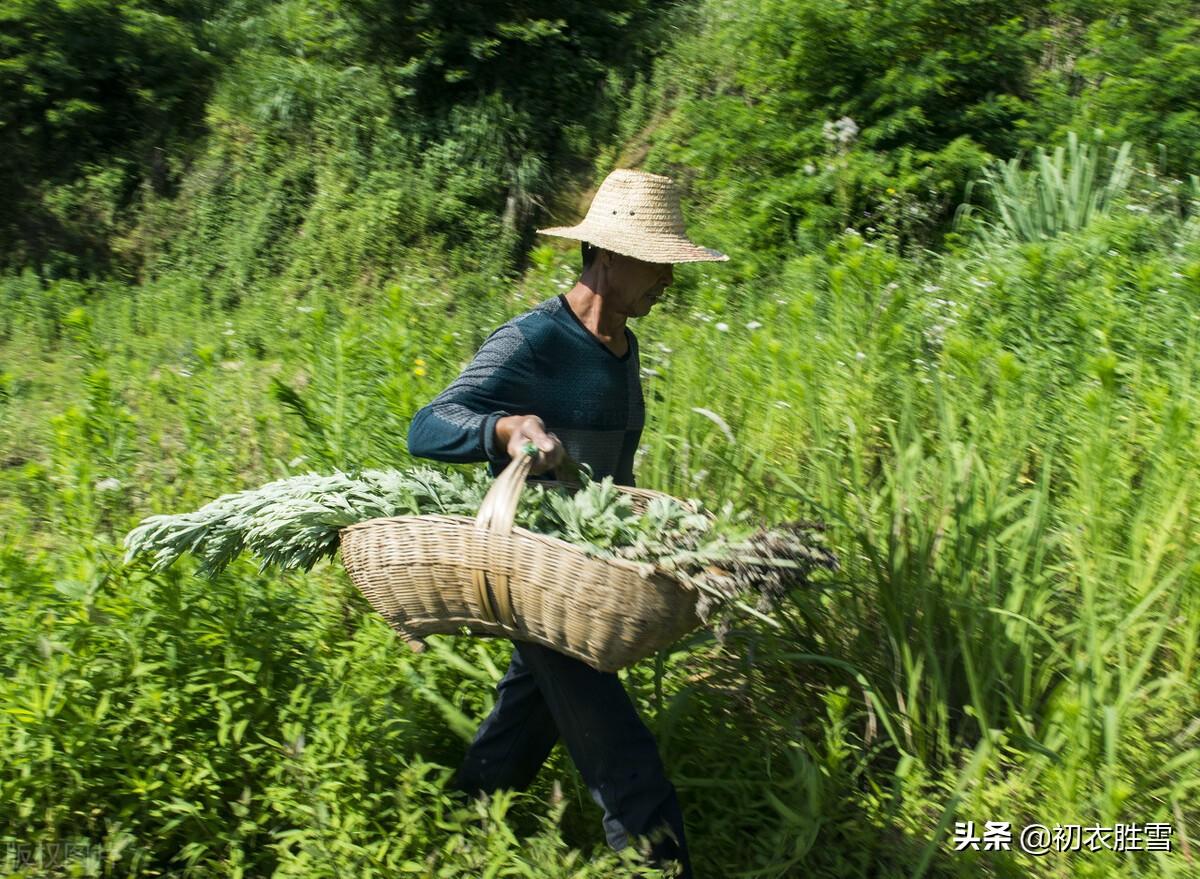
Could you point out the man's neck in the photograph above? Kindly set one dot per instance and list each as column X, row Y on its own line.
column 590, row 307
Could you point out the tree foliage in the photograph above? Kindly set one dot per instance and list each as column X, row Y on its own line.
column 87, row 90
column 322, row 143
column 266, row 117
column 795, row 120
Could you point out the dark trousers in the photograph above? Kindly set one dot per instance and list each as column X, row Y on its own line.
column 545, row 694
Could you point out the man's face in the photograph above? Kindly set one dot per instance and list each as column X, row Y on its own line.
column 637, row 285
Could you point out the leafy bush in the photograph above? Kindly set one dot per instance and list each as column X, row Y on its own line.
column 1059, row 194
column 96, row 98
column 790, row 122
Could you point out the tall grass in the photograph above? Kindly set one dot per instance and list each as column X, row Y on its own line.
column 1003, row 442
column 1062, row 192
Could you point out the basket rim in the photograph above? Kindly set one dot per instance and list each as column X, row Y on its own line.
column 557, row 543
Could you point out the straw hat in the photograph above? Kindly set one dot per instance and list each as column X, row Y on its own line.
column 637, row 214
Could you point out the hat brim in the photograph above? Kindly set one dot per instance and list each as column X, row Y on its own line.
column 646, row 246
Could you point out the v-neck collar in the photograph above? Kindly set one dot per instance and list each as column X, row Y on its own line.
column 562, row 298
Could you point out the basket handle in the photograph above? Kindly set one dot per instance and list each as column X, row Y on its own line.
column 499, row 507
column 496, row 514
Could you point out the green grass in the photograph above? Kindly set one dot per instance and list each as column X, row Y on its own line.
column 1004, row 443
column 1002, row 435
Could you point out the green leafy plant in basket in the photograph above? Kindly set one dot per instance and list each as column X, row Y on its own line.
column 294, row 522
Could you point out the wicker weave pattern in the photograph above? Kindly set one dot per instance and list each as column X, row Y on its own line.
column 434, row 574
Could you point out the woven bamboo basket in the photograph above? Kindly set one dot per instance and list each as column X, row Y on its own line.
column 436, row 575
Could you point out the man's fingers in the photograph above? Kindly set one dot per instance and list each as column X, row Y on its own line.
column 555, row 454
column 537, row 434
column 550, row 454
column 549, row 448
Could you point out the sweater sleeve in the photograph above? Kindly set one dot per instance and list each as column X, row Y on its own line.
column 624, row 471
column 459, row 425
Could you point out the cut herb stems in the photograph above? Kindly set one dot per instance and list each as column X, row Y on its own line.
column 294, row 522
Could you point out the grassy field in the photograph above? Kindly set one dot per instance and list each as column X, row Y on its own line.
column 1003, row 438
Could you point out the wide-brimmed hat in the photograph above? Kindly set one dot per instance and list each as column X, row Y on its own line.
column 637, row 214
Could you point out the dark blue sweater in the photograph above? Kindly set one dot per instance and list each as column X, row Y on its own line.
column 543, row 362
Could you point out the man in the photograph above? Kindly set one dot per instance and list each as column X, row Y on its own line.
column 564, row 376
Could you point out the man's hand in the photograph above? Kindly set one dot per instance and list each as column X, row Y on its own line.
column 514, row 431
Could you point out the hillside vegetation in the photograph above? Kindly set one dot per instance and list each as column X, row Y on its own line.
column 250, row 239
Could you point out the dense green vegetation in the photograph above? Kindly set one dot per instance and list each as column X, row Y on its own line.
column 250, row 239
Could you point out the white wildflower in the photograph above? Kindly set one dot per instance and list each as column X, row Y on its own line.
column 753, row 325
column 722, row 326
column 841, row 132
column 109, row 484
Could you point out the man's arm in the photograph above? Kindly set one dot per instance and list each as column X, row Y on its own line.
column 471, row 419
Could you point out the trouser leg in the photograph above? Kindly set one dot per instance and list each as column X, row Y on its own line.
column 613, row 750
column 514, row 740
